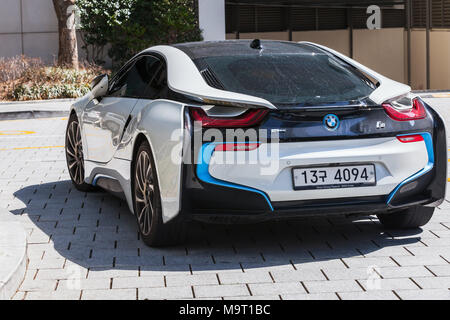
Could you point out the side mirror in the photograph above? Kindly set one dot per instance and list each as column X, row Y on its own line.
column 99, row 86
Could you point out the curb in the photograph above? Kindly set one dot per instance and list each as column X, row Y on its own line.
column 13, row 254
column 20, row 110
column 19, row 115
column 432, row 94
column 12, row 103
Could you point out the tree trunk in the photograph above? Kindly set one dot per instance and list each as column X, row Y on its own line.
column 68, row 48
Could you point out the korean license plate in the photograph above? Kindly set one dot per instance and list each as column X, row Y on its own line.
column 334, row 177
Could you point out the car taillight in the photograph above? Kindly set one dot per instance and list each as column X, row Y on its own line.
column 247, row 119
column 415, row 111
column 410, row 138
column 237, row 146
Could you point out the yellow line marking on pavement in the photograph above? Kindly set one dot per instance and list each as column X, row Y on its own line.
column 31, row 148
column 45, row 147
column 51, row 118
column 441, row 95
column 15, row 132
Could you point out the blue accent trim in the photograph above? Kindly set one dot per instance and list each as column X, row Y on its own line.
column 203, row 174
column 429, row 144
column 325, row 122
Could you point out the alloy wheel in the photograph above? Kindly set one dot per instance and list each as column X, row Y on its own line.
column 74, row 152
column 144, row 192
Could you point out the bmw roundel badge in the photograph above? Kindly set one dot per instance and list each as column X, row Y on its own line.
column 331, row 122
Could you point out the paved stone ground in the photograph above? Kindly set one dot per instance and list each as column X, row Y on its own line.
column 86, row 245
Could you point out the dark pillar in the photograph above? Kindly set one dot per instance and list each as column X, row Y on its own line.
column 350, row 29
column 408, row 38
column 428, row 27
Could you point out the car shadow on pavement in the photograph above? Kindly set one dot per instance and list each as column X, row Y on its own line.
column 96, row 231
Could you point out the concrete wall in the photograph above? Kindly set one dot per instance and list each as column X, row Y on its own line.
column 212, row 19
column 338, row 40
column 381, row 50
column 418, row 60
column 440, row 59
column 28, row 27
column 265, row 35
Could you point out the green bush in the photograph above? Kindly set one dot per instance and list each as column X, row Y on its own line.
column 129, row 26
column 23, row 78
column 45, row 91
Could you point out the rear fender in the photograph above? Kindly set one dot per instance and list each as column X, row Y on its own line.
column 161, row 122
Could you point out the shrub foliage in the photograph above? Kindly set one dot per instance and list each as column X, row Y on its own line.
column 127, row 26
column 23, row 78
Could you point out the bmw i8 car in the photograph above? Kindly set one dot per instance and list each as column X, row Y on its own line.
column 247, row 130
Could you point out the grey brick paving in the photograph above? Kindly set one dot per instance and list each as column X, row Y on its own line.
column 277, row 288
column 165, row 293
column 86, row 244
column 426, row 294
column 368, row 295
column 225, row 290
column 332, row 286
column 114, row 294
column 312, row 296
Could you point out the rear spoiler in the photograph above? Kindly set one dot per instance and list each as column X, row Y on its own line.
column 183, row 77
column 387, row 90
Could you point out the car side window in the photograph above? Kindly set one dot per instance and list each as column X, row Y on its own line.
column 134, row 82
column 158, row 87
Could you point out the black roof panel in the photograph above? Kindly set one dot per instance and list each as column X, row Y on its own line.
column 197, row 50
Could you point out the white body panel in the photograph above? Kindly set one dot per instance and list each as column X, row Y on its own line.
column 211, row 18
column 184, row 77
column 103, row 125
column 388, row 154
column 110, row 155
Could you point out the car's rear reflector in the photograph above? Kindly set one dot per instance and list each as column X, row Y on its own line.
column 416, row 112
column 237, row 147
column 411, row 138
column 248, row 119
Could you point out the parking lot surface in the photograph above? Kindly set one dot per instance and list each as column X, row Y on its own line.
column 86, row 245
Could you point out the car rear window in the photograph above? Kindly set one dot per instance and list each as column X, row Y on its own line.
column 290, row 79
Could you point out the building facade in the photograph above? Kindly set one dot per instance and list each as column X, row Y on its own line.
column 412, row 44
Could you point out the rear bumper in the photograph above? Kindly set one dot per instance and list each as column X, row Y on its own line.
column 394, row 162
column 407, row 175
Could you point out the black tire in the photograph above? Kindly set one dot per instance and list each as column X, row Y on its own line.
column 75, row 156
column 147, row 204
column 407, row 219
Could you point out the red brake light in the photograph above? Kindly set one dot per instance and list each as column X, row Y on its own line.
column 247, row 119
column 237, row 147
column 411, row 138
column 416, row 112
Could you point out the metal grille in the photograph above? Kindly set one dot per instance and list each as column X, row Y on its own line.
column 440, row 13
column 303, row 19
column 332, row 18
column 269, row 19
column 392, row 18
column 419, row 13
column 266, row 18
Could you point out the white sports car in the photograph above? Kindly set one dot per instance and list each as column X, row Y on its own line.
column 238, row 131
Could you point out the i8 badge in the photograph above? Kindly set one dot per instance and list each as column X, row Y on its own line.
column 331, row 122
